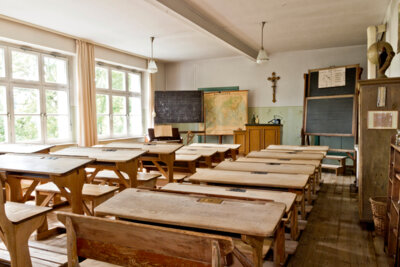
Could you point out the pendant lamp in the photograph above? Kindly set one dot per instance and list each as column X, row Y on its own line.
column 152, row 66
column 262, row 54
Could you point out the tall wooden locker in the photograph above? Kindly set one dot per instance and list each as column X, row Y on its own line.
column 376, row 126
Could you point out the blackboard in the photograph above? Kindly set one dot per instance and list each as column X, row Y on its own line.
column 178, row 106
column 348, row 89
column 331, row 116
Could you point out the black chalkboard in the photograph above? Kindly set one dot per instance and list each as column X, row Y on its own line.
column 348, row 89
column 329, row 116
column 178, row 106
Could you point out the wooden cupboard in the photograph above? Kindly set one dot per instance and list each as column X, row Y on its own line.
column 258, row 136
column 239, row 137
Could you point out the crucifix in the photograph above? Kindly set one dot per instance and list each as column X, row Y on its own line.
column 273, row 79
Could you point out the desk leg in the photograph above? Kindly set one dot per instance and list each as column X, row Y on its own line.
column 309, row 197
column 302, row 203
column 257, row 244
column 130, row 168
column 279, row 245
column 169, row 159
column 208, row 162
column 74, row 182
column 15, row 189
column 234, row 154
column 294, row 229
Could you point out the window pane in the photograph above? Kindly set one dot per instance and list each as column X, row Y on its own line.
column 25, row 66
column 119, row 105
column 119, row 125
column 103, row 125
column 27, row 128
column 3, row 129
column 134, row 82
column 55, row 70
column 56, row 102
column 135, row 125
column 101, row 78
column 118, row 80
column 135, row 106
column 102, row 104
column 57, row 127
column 3, row 100
column 2, row 63
column 26, row 101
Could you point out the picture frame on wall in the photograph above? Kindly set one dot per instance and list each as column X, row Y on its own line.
column 383, row 119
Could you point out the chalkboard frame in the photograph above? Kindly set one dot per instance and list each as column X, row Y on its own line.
column 354, row 114
column 164, row 121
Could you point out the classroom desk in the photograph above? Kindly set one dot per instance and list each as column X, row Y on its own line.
column 156, row 153
column 285, row 155
column 254, row 222
column 295, row 183
column 270, row 167
column 232, row 152
column 293, row 151
column 24, row 148
column 186, row 163
column 298, row 148
column 117, row 160
column 207, row 154
column 66, row 172
column 286, row 198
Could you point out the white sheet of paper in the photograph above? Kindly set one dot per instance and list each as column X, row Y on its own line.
column 332, row 78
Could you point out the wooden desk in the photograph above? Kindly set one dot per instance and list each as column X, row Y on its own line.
column 232, row 152
column 295, row 183
column 293, row 151
column 285, row 155
column 270, row 167
column 24, row 148
column 207, row 154
column 156, row 153
column 286, row 198
column 186, row 163
column 117, row 160
column 298, row 148
column 66, row 172
column 254, row 222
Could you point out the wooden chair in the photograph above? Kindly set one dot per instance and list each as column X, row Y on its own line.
column 133, row 244
column 17, row 222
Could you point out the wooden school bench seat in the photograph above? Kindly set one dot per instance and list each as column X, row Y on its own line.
column 231, row 153
column 124, row 243
column 339, row 169
column 207, row 155
column 93, row 193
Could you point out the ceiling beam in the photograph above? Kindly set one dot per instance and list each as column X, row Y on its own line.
column 188, row 12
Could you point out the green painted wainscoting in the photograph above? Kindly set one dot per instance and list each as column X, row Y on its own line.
column 291, row 118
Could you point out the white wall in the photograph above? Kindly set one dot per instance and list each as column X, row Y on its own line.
column 242, row 72
column 392, row 19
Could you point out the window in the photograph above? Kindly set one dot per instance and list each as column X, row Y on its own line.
column 118, row 102
column 34, row 97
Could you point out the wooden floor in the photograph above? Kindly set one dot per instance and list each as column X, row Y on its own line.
column 334, row 236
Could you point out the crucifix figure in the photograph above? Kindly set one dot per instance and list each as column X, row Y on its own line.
column 273, row 79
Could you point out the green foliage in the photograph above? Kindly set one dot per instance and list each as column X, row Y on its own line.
column 26, row 128
column 102, row 104
column 3, row 106
column 2, row 64
column 50, row 70
column 26, row 101
column 118, row 80
column 52, row 127
column 119, row 124
column 101, row 78
column 119, row 105
column 3, row 121
column 102, row 125
column 25, row 66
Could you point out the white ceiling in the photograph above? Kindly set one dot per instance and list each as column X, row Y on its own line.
column 128, row 24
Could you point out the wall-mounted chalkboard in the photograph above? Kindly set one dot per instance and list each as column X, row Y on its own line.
column 178, row 106
column 330, row 116
column 348, row 89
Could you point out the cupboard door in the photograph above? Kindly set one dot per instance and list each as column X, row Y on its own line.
column 270, row 137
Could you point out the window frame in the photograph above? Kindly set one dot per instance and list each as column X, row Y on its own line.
column 125, row 93
column 10, row 83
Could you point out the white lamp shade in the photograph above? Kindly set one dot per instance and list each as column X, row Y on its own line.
column 262, row 56
column 152, row 66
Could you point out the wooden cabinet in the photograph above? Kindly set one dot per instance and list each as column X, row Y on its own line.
column 239, row 137
column 258, row 136
column 374, row 140
column 392, row 216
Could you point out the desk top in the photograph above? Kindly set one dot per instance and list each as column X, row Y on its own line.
column 294, row 151
column 240, row 217
column 205, row 152
column 23, row 148
column 299, row 148
column 158, row 148
column 315, row 163
column 286, row 198
column 41, row 163
column 265, row 167
column 285, row 155
column 101, row 154
column 208, row 145
column 277, row 180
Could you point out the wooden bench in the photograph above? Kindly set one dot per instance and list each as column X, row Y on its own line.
column 186, row 162
column 17, row 222
column 145, row 180
column 339, row 169
column 93, row 193
column 125, row 243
